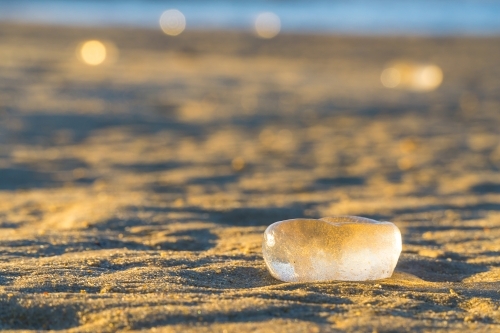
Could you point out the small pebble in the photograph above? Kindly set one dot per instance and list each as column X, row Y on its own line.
column 345, row 248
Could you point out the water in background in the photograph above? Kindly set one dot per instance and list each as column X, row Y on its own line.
column 421, row 17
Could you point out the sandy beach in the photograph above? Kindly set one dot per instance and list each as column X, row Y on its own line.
column 134, row 194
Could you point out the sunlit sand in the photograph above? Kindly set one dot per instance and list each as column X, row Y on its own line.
column 135, row 186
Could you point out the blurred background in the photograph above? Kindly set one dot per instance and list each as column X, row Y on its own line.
column 176, row 99
column 348, row 90
column 367, row 17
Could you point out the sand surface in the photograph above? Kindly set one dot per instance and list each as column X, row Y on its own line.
column 134, row 195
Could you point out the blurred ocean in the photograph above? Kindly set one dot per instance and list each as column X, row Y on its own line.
column 366, row 17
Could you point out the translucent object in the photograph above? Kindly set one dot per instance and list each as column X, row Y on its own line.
column 346, row 248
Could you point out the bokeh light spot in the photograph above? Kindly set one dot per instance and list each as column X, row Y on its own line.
column 412, row 76
column 172, row 22
column 429, row 77
column 390, row 77
column 93, row 52
column 267, row 25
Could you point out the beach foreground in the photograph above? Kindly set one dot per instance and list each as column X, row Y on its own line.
column 134, row 195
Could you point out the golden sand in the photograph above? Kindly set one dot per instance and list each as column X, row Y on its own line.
column 134, row 193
